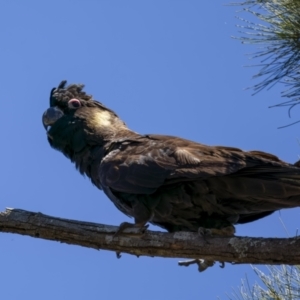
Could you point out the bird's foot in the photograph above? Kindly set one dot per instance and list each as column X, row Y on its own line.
column 215, row 232
column 225, row 231
column 204, row 233
column 141, row 228
column 203, row 264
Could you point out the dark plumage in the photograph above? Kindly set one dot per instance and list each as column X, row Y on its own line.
column 171, row 182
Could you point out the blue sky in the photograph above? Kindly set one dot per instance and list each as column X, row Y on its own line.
column 167, row 67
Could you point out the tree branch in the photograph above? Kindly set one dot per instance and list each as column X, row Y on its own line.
column 180, row 244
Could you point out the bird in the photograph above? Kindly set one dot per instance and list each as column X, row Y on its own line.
column 168, row 181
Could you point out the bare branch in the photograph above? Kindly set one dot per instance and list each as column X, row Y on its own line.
column 180, row 244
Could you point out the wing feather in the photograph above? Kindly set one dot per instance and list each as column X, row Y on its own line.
column 157, row 160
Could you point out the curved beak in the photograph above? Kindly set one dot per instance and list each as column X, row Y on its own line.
column 51, row 115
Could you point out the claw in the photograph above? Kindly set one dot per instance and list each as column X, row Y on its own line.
column 225, row 231
column 141, row 228
column 204, row 233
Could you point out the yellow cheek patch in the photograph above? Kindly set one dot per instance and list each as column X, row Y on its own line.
column 101, row 119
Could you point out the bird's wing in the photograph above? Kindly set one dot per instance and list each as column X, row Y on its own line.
column 141, row 166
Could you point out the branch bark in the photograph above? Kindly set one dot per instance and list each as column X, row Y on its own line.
column 151, row 243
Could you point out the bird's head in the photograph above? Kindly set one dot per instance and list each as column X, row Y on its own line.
column 75, row 121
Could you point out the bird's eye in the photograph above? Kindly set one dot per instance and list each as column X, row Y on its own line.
column 74, row 103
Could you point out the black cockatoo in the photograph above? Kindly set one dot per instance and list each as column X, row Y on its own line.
column 168, row 181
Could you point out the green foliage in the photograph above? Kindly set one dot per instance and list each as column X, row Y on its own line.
column 279, row 35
